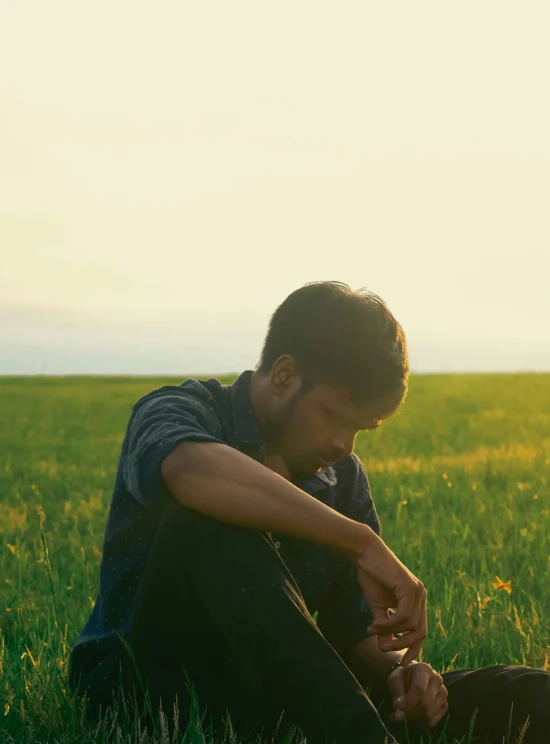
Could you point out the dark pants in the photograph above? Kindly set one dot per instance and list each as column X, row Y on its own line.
column 217, row 603
column 505, row 698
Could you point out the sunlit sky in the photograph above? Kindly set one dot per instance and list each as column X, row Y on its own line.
column 171, row 171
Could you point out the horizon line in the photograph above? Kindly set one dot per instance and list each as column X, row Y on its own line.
column 232, row 374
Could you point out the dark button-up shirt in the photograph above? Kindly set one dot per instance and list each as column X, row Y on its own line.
column 207, row 411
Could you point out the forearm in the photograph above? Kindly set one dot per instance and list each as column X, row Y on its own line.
column 223, row 483
column 369, row 664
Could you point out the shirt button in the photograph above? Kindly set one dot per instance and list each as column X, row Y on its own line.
column 277, row 544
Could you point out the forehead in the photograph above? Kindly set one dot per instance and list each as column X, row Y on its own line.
column 339, row 401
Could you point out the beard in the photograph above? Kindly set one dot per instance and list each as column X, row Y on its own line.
column 279, row 429
column 299, row 472
column 279, row 433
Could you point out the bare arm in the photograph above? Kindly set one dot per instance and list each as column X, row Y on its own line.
column 369, row 664
column 225, row 484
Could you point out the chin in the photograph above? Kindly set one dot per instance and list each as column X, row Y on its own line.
column 299, row 473
column 309, row 470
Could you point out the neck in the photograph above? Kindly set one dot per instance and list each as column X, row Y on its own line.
column 259, row 397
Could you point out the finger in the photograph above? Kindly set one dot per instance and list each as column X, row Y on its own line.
column 384, row 642
column 416, row 714
column 403, row 619
column 431, row 708
column 440, row 713
column 395, row 644
column 414, row 648
column 406, row 640
column 412, row 652
column 439, row 707
column 400, row 618
column 414, row 694
column 418, row 609
column 379, row 631
column 379, row 615
column 430, row 701
column 397, row 717
column 396, row 685
column 399, row 622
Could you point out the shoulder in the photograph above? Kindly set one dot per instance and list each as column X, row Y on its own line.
column 201, row 391
column 351, row 471
column 170, row 406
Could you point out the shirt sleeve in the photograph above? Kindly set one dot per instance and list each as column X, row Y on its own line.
column 345, row 615
column 156, row 425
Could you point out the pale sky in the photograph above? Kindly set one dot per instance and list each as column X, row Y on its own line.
column 171, row 171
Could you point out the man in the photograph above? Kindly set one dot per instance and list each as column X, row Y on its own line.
column 241, row 511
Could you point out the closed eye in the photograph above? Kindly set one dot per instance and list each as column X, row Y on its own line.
column 348, row 421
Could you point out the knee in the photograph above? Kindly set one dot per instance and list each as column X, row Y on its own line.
column 527, row 679
column 528, row 690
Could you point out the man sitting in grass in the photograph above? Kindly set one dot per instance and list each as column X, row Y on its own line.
column 239, row 512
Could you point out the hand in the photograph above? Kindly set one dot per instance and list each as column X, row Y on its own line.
column 418, row 694
column 387, row 584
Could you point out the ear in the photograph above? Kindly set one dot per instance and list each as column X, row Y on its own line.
column 284, row 378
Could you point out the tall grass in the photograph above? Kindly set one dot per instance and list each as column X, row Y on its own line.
column 460, row 481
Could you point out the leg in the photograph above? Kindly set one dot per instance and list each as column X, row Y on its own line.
column 493, row 690
column 219, row 601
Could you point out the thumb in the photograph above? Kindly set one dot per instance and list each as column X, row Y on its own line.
column 396, row 685
column 379, row 615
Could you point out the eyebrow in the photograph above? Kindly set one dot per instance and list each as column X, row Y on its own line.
column 373, row 424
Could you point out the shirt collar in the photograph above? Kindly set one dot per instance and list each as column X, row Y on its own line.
column 247, row 429
column 245, row 423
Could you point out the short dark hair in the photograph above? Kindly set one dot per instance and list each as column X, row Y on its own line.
column 344, row 338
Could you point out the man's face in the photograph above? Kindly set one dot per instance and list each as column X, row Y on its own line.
column 320, row 425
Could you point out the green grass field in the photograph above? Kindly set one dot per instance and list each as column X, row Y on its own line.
column 459, row 477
